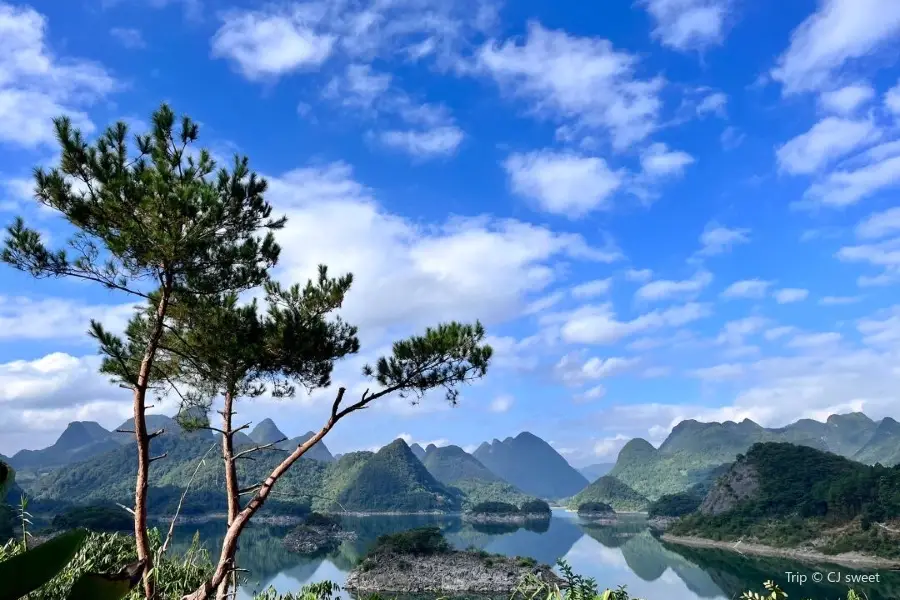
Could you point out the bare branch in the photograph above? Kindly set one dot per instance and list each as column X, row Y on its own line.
column 156, row 458
column 156, row 433
column 124, row 431
column 248, row 490
column 257, row 448
column 337, row 402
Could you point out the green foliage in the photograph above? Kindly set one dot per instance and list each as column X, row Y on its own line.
column 25, row 572
column 535, row 506
column 495, row 508
column 94, row 518
column 589, row 508
column 112, row 553
column 319, row 520
column 576, row 587
column 322, row 590
column 421, row 541
column 478, row 490
column 675, row 505
column 609, row 490
column 804, row 493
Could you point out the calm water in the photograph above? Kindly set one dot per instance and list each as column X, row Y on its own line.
column 624, row 554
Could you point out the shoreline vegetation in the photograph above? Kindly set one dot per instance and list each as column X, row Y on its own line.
column 847, row 559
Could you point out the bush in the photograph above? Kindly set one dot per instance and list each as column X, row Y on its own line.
column 319, row 520
column 421, row 542
column 95, row 518
column 675, row 505
column 535, row 507
column 587, row 508
column 495, row 508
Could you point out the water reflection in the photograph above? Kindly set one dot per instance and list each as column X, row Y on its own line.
column 622, row 554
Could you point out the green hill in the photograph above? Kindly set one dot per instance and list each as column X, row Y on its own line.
column 611, row 491
column 785, row 494
column 80, row 441
column 266, row 432
column 695, row 453
column 394, row 480
column 453, row 466
column 532, row 465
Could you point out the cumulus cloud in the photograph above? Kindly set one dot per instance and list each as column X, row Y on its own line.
column 37, row 86
column 828, row 140
column 790, row 295
column 688, row 24
column 598, row 324
column 848, row 186
column 747, row 288
column 578, row 80
column 60, row 319
column 846, row 100
column 839, row 32
column 563, row 183
column 501, row 404
column 718, row 239
column 589, row 289
column 658, row 161
column 662, row 289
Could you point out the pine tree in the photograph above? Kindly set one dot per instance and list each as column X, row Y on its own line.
column 443, row 357
column 218, row 348
column 154, row 220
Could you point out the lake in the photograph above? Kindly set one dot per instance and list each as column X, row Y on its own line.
column 623, row 554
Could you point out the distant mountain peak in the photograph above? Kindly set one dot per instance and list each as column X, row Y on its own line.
column 266, row 432
column 430, row 448
column 418, row 451
column 853, row 417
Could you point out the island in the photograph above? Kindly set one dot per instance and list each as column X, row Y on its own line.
column 597, row 512
column 504, row 512
column 422, row 561
column 317, row 533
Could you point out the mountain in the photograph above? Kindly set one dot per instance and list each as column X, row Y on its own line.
column 694, row 452
column 453, row 466
column 597, row 470
column 80, row 441
column 785, row 494
column 883, row 446
column 609, row 490
column 418, row 450
column 532, row 465
column 318, row 452
column 266, row 432
column 394, row 479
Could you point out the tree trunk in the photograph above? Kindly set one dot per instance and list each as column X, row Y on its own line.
column 229, row 545
column 142, row 438
column 231, row 481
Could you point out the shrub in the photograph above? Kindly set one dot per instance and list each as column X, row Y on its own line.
column 587, row 508
column 422, row 541
column 495, row 508
column 535, row 507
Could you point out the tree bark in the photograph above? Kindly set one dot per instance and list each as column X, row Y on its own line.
column 231, row 482
column 142, row 438
column 224, row 567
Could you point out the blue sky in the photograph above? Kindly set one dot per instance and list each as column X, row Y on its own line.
column 661, row 209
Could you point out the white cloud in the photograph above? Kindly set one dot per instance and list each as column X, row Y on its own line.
column 731, row 138
column 839, row 32
column 892, row 99
column 271, row 43
column 37, row 86
column 829, row 139
column 129, row 37
column 658, row 161
column 597, row 324
column 410, row 440
column 359, row 86
column 814, row 340
column 734, row 333
column 23, row 318
column 662, row 289
column 714, row 103
column 747, row 288
column 880, row 224
column 589, row 289
column 563, row 183
column 576, row 79
column 408, row 275
column 639, row 275
column 593, row 393
column 571, row 370
column 717, row 239
column 790, row 295
column 688, row 24
column 846, row 100
column 777, row 333
column 609, row 447
column 501, row 404
column 721, row 372
column 884, row 254
column 839, row 300
column 441, row 141
column 846, row 187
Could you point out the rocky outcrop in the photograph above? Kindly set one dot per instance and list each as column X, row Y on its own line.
column 451, row 572
column 318, row 534
column 660, row 523
column 512, row 518
column 740, row 483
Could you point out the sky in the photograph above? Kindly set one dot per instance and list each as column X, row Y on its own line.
column 660, row 209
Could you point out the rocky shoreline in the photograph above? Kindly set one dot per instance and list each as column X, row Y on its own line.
column 847, row 559
column 660, row 523
column 512, row 518
column 451, row 572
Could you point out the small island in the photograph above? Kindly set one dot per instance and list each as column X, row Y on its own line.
column 317, row 533
column 600, row 513
column 504, row 512
column 422, row 561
